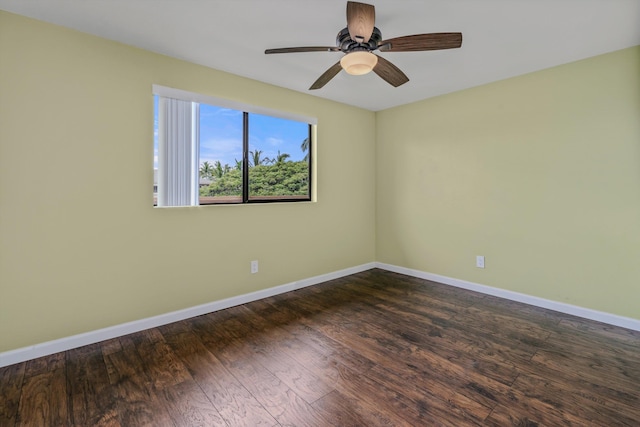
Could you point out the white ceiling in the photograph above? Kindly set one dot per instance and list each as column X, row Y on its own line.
column 501, row 38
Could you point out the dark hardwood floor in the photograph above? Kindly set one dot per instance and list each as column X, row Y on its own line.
column 372, row 349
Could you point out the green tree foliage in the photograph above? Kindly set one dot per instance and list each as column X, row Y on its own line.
column 206, row 170
column 229, row 184
column 280, row 178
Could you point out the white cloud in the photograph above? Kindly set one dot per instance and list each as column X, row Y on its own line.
column 225, row 150
column 275, row 142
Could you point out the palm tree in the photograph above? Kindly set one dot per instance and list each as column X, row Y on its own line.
column 206, row 170
column 257, row 161
column 305, row 148
column 281, row 158
column 238, row 164
column 218, row 169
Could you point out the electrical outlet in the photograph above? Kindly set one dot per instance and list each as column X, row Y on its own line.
column 480, row 261
column 254, row 267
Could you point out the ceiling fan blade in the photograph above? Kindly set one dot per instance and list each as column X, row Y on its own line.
column 361, row 18
column 326, row 76
column 418, row 42
column 389, row 72
column 303, row 49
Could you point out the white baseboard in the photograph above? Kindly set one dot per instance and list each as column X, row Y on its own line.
column 43, row 349
column 586, row 313
column 50, row 347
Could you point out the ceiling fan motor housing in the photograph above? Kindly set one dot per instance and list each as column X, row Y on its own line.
column 346, row 45
column 359, row 57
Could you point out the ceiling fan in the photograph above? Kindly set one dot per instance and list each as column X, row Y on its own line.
column 361, row 38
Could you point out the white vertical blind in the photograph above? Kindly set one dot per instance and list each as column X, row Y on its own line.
column 195, row 153
column 178, row 175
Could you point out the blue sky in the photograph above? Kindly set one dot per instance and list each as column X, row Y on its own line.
column 221, row 135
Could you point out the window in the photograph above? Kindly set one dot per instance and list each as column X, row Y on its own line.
column 212, row 151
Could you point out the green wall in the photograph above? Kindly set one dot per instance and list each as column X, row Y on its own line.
column 82, row 248
column 539, row 173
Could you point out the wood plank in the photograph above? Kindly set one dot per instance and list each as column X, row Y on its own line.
column 137, row 404
column 414, row 326
column 161, row 363
column 374, row 340
column 293, row 374
column 435, row 398
column 280, row 400
column 59, row 398
column 428, row 301
column 343, row 411
column 175, row 328
column 575, row 401
column 387, row 393
column 329, row 354
column 397, row 360
column 420, row 290
column 597, row 379
column 111, row 346
column 442, row 337
column 277, row 398
column 34, row 406
column 508, row 415
column 189, row 406
column 91, row 397
column 45, row 364
column 229, row 397
column 11, row 379
column 622, row 336
column 44, row 398
column 595, row 370
column 568, row 339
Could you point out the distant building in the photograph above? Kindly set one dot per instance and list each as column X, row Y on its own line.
column 204, row 182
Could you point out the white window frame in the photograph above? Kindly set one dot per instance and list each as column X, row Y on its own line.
column 182, row 158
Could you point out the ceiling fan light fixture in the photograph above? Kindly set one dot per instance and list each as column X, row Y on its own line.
column 359, row 63
column 361, row 38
